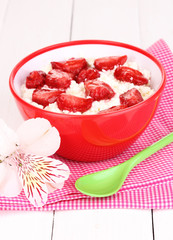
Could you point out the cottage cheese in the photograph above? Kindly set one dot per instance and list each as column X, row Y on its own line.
column 78, row 90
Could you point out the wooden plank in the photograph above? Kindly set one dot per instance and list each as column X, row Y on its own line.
column 31, row 25
column 3, row 9
column 155, row 21
column 25, row 225
column 103, row 224
column 28, row 26
column 106, row 19
column 163, row 220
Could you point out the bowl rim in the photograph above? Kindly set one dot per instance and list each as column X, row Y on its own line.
column 84, row 42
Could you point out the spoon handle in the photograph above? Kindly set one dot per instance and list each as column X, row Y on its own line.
column 139, row 157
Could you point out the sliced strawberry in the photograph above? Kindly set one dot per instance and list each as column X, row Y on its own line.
column 131, row 75
column 73, row 103
column 113, row 109
column 57, row 65
column 87, row 74
column 73, row 65
column 131, row 97
column 98, row 90
column 45, row 96
column 108, row 63
column 58, row 79
column 35, row 79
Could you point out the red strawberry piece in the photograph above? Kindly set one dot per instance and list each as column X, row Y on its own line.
column 108, row 63
column 113, row 109
column 73, row 103
column 73, row 65
column 57, row 65
column 60, row 66
column 131, row 75
column 131, row 97
column 98, row 90
column 58, row 79
column 45, row 96
column 87, row 74
column 35, row 79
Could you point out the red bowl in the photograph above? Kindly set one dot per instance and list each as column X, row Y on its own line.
column 92, row 137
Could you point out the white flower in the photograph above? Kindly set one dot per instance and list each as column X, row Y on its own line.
column 37, row 136
column 24, row 162
column 8, row 140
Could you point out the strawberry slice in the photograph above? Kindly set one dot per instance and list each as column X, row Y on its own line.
column 57, row 65
column 35, row 79
column 131, row 75
column 58, row 79
column 87, row 74
column 98, row 90
column 131, row 97
column 73, row 65
column 108, row 63
column 45, row 96
column 113, row 109
column 73, row 103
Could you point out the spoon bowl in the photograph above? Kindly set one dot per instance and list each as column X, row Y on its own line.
column 107, row 182
column 103, row 183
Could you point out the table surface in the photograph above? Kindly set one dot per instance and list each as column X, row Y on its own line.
column 26, row 26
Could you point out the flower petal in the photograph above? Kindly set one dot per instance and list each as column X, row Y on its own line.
column 35, row 172
column 38, row 137
column 60, row 174
column 47, row 145
column 35, row 191
column 57, row 171
column 31, row 130
column 10, row 185
column 3, row 172
column 8, row 140
column 52, row 187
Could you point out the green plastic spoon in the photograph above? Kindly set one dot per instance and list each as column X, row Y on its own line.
column 107, row 182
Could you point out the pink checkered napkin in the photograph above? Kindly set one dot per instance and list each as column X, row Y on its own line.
column 149, row 185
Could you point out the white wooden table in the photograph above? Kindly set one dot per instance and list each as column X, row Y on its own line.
column 26, row 26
